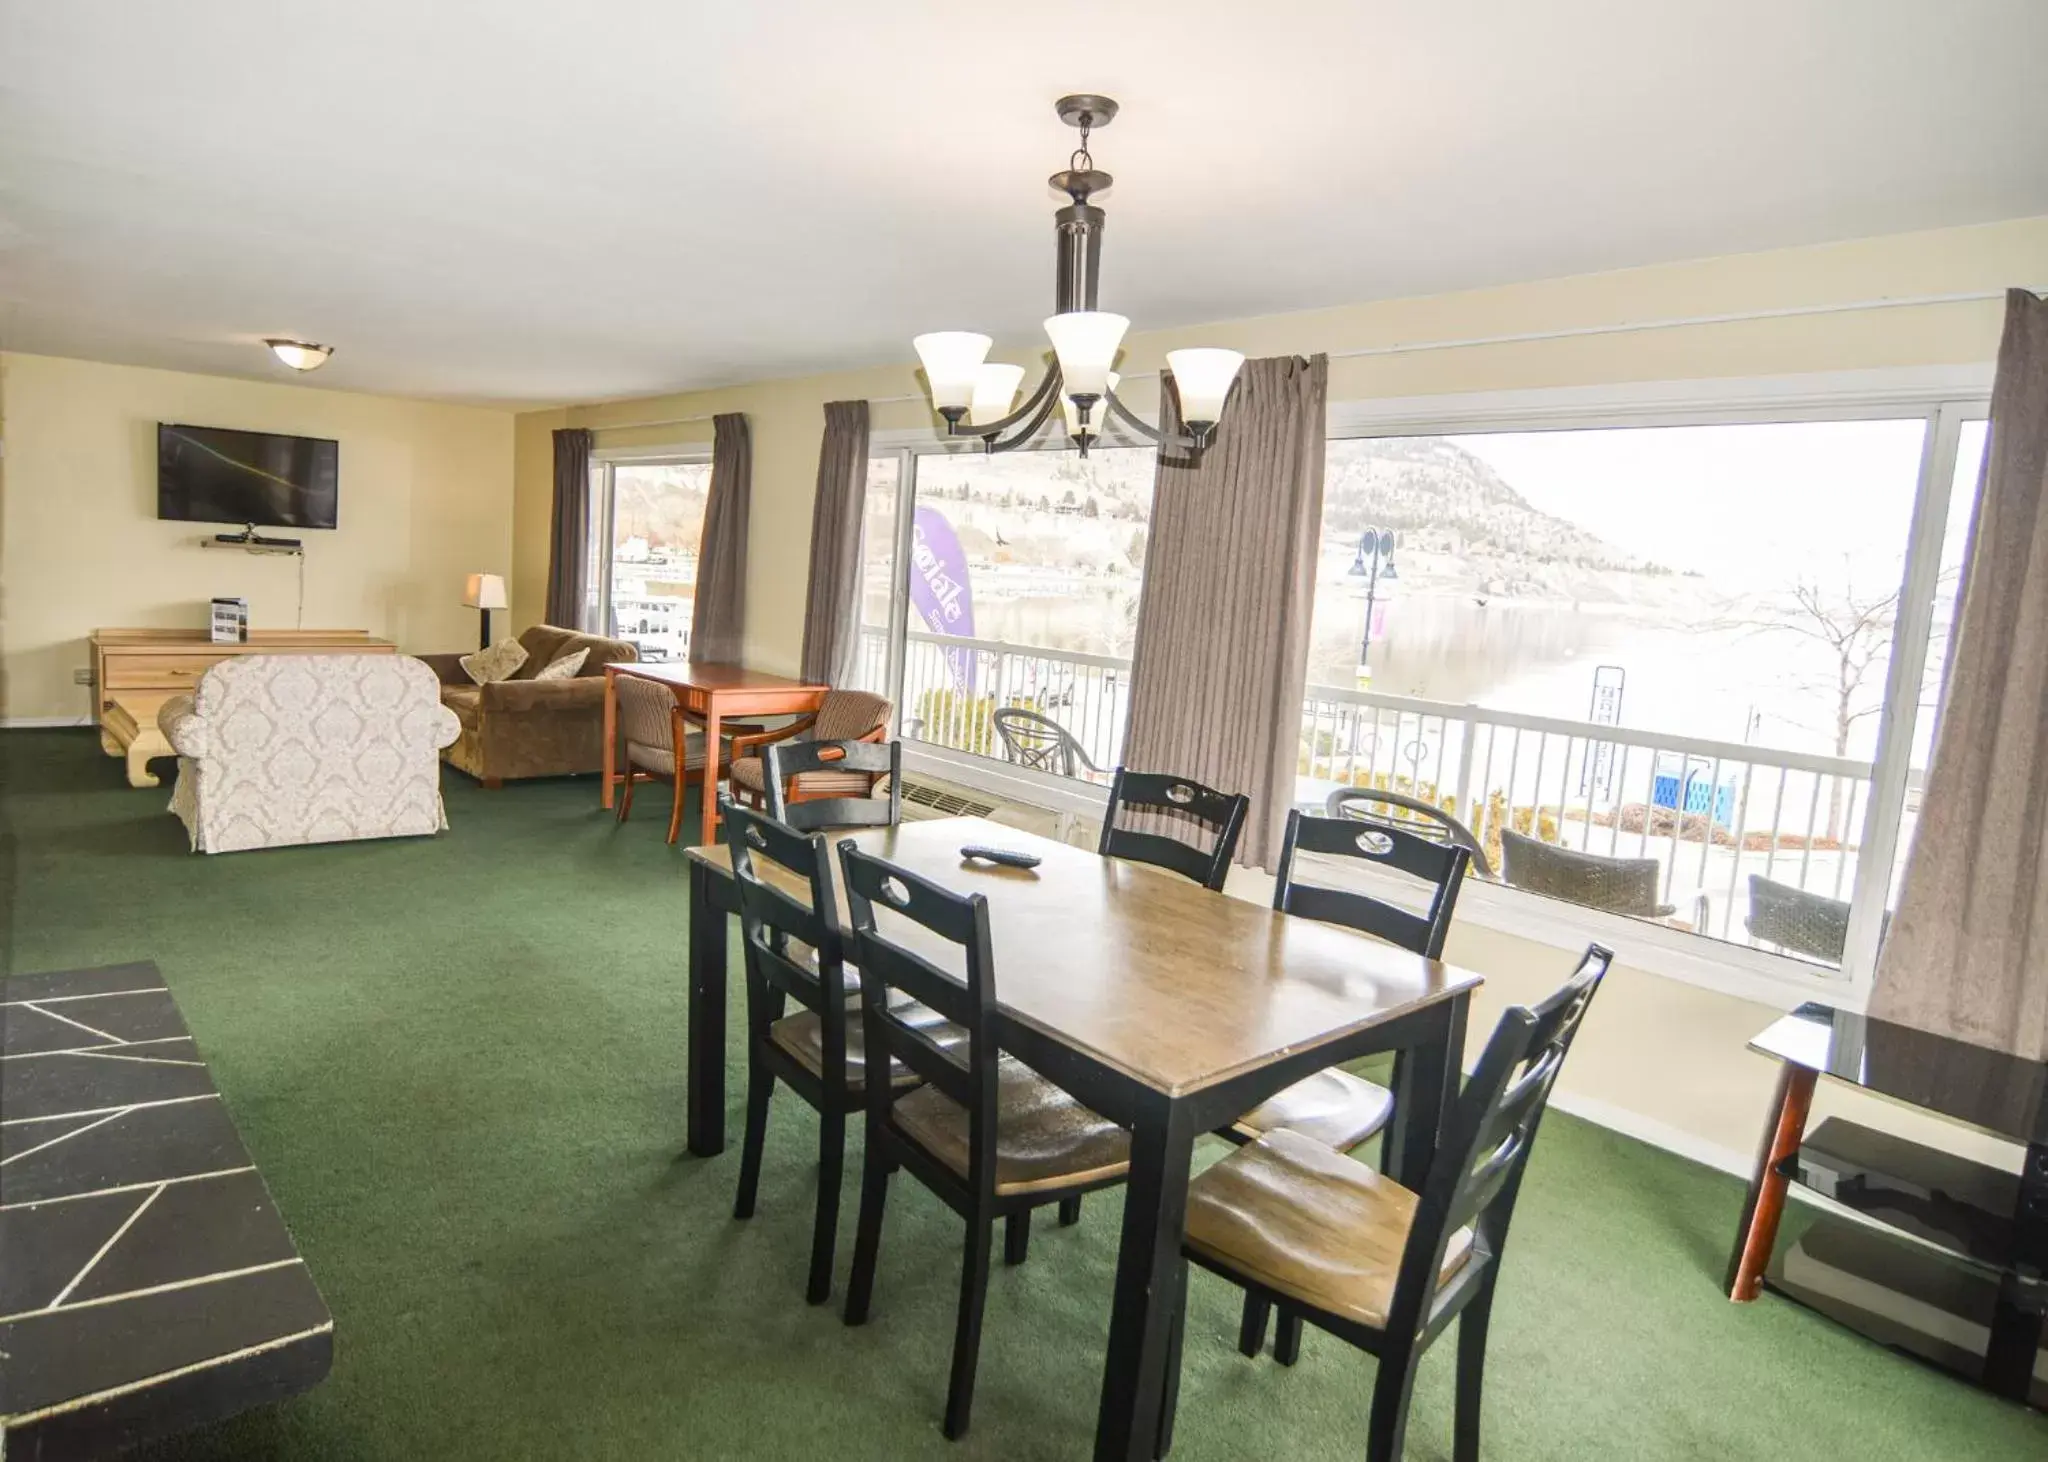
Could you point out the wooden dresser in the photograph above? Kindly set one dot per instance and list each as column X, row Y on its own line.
column 134, row 671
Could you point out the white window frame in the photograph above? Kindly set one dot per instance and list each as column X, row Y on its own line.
column 605, row 462
column 1944, row 397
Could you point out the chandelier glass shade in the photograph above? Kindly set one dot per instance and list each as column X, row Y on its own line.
column 975, row 395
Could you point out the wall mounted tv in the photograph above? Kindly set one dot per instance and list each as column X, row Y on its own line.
column 210, row 474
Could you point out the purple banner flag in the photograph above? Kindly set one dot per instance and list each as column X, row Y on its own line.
column 941, row 593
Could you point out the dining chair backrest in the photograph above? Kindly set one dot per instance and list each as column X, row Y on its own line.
column 1799, row 922
column 867, row 760
column 1039, row 742
column 1441, row 866
column 1168, row 801
column 1407, row 814
column 770, row 919
column 1476, row 1173
column 967, row 999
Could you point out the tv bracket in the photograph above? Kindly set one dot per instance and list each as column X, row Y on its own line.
column 250, row 538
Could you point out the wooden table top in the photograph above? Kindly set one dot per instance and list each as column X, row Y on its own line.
column 704, row 675
column 1176, row 987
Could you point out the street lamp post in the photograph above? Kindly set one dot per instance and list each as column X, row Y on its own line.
column 1374, row 561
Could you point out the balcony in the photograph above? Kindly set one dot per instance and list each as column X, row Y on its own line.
column 1710, row 814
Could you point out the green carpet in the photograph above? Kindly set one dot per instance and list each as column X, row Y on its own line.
column 459, row 1063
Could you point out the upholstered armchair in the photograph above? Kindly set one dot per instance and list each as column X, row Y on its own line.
column 652, row 727
column 282, row 749
column 844, row 715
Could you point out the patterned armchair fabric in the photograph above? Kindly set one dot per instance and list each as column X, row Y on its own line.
column 282, row 749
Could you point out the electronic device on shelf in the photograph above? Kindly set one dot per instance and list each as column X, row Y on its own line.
column 208, row 474
column 1007, row 857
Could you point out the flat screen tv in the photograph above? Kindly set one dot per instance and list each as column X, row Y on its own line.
column 210, row 474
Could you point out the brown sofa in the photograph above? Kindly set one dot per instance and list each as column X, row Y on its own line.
column 524, row 727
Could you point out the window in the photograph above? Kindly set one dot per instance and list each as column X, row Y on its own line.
column 648, row 519
column 1017, row 588
column 1646, row 666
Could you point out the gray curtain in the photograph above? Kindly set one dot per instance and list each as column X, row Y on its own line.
column 831, row 628
column 719, row 616
column 1967, row 954
column 1223, row 618
column 569, row 535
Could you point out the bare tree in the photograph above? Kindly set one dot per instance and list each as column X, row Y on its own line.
column 1854, row 630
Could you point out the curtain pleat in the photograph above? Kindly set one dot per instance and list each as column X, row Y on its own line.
column 1221, row 658
column 1967, row 952
column 718, row 617
column 569, row 532
column 831, row 611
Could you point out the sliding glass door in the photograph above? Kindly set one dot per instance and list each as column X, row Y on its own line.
column 648, row 518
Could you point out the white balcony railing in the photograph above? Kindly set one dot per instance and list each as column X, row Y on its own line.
column 1711, row 813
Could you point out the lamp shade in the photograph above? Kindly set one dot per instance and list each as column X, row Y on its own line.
column 1203, row 378
column 484, row 591
column 952, row 364
column 995, row 388
column 300, row 355
column 1086, row 342
column 1098, row 411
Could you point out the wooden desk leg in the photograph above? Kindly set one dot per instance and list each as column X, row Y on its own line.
column 611, row 737
column 1147, row 1284
column 709, row 799
column 1757, row 1233
column 705, row 1084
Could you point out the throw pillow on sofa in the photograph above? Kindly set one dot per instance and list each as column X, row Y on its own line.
column 500, row 662
column 565, row 667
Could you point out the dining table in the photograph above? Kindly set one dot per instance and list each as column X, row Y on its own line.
column 708, row 693
column 1165, row 1007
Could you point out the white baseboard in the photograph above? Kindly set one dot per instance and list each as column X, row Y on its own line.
column 1655, row 1133
column 42, row 723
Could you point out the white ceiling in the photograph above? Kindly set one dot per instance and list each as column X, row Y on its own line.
column 530, row 200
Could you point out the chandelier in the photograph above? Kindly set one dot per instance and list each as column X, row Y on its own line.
column 976, row 396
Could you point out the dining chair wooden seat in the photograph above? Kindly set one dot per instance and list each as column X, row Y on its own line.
column 986, row 1134
column 1363, row 1258
column 802, row 1036
column 1310, row 1224
column 1334, row 1107
column 1043, row 1139
column 794, row 951
column 1184, row 826
column 841, row 783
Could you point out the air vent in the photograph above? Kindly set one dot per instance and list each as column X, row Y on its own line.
column 948, row 801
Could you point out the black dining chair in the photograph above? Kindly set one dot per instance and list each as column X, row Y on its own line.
column 1403, row 813
column 1377, row 1264
column 1177, row 802
column 794, row 951
column 987, row 1134
column 837, row 780
column 1336, row 1107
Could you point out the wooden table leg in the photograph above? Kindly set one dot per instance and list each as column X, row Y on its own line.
column 709, row 799
column 1426, row 1080
column 1757, row 1233
column 705, row 1083
column 1147, row 1273
column 611, row 736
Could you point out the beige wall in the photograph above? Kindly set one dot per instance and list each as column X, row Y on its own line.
column 1659, row 1058
column 426, row 498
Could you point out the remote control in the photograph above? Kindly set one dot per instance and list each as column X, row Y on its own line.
column 1008, row 857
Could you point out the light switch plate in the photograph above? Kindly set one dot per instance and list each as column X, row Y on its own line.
column 82, row 675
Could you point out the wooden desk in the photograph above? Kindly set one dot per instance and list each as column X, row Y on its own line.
column 708, row 694
column 134, row 671
column 1166, row 1007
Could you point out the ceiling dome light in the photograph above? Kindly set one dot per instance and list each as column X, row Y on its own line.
column 300, row 355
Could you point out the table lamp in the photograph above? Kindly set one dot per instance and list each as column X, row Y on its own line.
column 485, row 592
